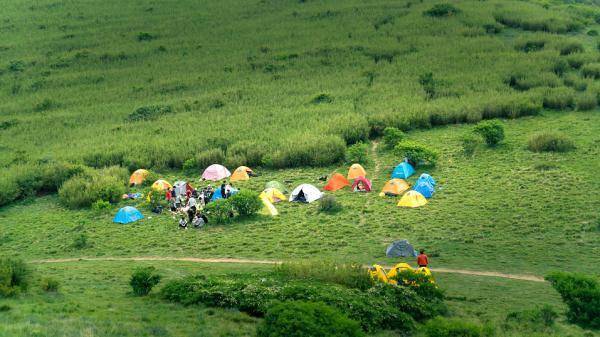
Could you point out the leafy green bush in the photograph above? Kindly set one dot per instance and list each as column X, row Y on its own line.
column 50, row 285
column 469, row 144
column 442, row 10
column 357, row 153
column 455, row 327
column 143, row 280
column 246, row 202
column 329, row 204
column 351, row 275
column 306, row 319
column 14, row 275
column 391, row 137
column 416, row 153
column 550, row 142
column 100, row 205
column 491, row 131
column 591, row 70
column 535, row 319
column 86, row 188
column 559, row 98
column 151, row 112
column 422, row 284
column 219, row 211
column 581, row 293
column 80, row 241
column 586, row 101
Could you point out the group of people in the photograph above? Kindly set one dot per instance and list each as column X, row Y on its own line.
column 192, row 203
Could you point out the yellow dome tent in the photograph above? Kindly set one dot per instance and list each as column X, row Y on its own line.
column 161, row 185
column 355, row 171
column 412, row 199
column 394, row 187
column 241, row 173
column 273, row 195
column 400, row 267
column 138, row 177
column 378, row 273
column 268, row 208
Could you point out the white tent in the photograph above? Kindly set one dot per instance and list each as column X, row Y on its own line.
column 180, row 187
column 306, row 193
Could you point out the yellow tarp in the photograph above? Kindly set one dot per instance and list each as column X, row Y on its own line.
column 273, row 195
column 138, row 177
column 355, row 171
column 412, row 199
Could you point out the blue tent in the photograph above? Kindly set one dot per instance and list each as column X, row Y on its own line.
column 424, row 188
column 426, row 178
column 217, row 195
column 403, row 171
column 400, row 248
column 127, row 214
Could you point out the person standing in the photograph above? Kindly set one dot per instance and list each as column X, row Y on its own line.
column 191, row 208
column 422, row 259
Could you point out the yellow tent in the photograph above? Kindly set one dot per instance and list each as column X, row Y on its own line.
column 273, row 195
column 268, row 208
column 412, row 199
column 161, row 185
column 378, row 273
column 355, row 171
column 240, row 173
column 402, row 266
column 394, row 187
column 138, row 177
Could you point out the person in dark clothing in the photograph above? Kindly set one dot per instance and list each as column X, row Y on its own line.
column 223, row 190
column 422, row 259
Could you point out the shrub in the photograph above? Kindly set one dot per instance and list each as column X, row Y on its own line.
column 322, row 98
column 143, row 36
column 469, row 144
column 549, row 142
column 351, row 275
column 581, row 293
column 298, row 318
column 50, row 285
column 80, row 241
column 592, row 32
column 491, row 131
column 329, row 204
column 586, row 102
column 206, row 158
column 391, row 137
column 352, row 128
column 447, row 327
column 14, row 275
column 143, row 280
column 86, row 188
column 570, row 47
column 422, row 284
column 150, row 112
column 530, row 45
column 416, row 153
column 357, row 153
column 100, row 205
column 219, row 211
column 521, row 82
column 573, row 81
column 442, row 10
column 250, row 152
column 534, row 319
column 591, row 70
column 246, row 202
column 559, row 98
column 307, row 151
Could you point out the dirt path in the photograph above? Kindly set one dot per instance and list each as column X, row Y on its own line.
column 363, row 217
column 521, row 277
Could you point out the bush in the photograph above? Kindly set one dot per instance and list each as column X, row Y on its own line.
column 308, row 151
column 536, row 319
column 100, row 205
column 322, row 98
column 357, row 153
column 559, row 99
column 491, row 131
column 298, row 318
column 206, row 158
column 246, row 202
column 570, row 47
column 391, row 137
column 86, row 188
column 80, row 241
column 14, row 275
column 416, row 153
column 251, row 153
column 329, row 204
column 441, row 10
column 575, row 82
column 591, row 70
column 143, row 36
column 422, row 284
column 352, row 128
column 469, row 144
column 50, row 285
column 549, row 142
column 530, row 45
column 151, row 112
column 219, row 211
column 586, row 102
column 581, row 293
column 143, row 280
column 447, row 327
column 351, row 275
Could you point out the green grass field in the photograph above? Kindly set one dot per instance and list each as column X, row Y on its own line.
column 285, row 86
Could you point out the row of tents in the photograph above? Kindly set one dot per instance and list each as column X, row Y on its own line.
column 214, row 172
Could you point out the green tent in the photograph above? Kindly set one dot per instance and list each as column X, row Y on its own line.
column 275, row 184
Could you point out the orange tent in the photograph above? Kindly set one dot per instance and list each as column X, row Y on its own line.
column 138, row 177
column 336, row 182
column 355, row 171
column 241, row 173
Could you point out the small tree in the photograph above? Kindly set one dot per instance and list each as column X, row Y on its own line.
column 246, row 202
column 219, row 211
column 358, row 153
column 469, row 144
column 491, row 131
column 143, row 280
column 14, row 276
column 581, row 293
column 391, row 137
column 416, row 153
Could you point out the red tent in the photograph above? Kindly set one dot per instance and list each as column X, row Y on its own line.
column 362, row 184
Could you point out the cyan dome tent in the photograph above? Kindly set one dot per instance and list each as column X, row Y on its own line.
column 217, row 195
column 400, row 248
column 127, row 214
column 426, row 178
column 424, row 188
column 403, row 171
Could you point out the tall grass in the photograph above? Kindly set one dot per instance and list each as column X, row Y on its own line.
column 349, row 275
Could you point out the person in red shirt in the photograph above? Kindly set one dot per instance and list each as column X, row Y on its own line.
column 422, row 259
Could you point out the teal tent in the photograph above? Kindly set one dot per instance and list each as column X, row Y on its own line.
column 127, row 214
column 426, row 178
column 403, row 171
column 424, row 188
